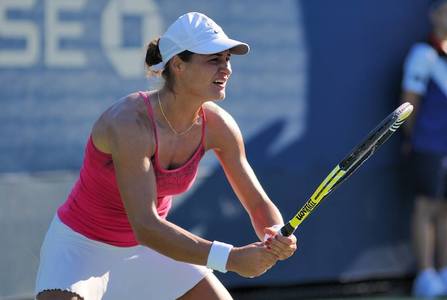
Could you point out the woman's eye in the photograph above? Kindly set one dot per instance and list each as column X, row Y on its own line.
column 219, row 59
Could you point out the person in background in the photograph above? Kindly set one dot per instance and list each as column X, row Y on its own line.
column 425, row 86
column 111, row 239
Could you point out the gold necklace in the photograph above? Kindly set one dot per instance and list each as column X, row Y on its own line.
column 169, row 123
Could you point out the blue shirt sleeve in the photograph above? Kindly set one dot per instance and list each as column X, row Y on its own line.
column 418, row 67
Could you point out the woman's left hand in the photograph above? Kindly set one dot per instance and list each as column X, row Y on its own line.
column 282, row 247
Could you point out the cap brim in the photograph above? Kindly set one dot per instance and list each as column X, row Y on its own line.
column 221, row 44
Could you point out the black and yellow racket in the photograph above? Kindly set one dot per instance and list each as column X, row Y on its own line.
column 350, row 164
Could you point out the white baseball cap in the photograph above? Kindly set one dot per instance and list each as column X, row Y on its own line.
column 199, row 34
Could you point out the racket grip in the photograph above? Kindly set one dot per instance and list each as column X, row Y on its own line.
column 287, row 230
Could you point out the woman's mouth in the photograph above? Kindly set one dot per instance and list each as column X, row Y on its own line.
column 220, row 82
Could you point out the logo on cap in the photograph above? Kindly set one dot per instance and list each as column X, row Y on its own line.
column 212, row 26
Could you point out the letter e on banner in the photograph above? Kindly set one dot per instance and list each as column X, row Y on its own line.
column 56, row 30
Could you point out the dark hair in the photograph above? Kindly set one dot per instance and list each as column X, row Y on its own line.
column 153, row 57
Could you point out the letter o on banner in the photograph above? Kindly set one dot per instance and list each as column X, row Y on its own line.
column 128, row 61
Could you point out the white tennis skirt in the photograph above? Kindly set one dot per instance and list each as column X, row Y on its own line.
column 72, row 262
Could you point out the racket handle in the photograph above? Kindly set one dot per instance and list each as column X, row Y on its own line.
column 287, row 230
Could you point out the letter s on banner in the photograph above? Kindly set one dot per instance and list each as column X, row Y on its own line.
column 128, row 61
column 18, row 29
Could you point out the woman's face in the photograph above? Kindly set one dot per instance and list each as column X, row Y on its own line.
column 205, row 76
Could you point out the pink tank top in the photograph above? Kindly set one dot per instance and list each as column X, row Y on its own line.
column 94, row 207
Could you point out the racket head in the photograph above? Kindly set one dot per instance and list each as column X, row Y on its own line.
column 359, row 154
column 376, row 137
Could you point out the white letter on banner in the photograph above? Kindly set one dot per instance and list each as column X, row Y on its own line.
column 55, row 30
column 128, row 61
column 18, row 29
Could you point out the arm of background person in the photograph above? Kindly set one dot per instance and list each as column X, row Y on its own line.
column 414, row 99
column 417, row 71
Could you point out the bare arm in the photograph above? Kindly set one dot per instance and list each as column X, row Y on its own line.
column 229, row 148
column 132, row 144
column 228, row 145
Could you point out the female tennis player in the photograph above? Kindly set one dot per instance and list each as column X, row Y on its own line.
column 111, row 238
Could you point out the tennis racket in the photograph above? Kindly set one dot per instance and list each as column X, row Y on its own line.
column 350, row 164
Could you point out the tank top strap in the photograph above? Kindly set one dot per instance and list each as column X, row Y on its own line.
column 150, row 113
column 202, row 113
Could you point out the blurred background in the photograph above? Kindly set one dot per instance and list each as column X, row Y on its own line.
column 320, row 75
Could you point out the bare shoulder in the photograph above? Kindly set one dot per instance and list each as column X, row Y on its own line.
column 218, row 117
column 126, row 120
column 222, row 128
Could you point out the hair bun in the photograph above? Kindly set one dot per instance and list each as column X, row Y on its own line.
column 153, row 55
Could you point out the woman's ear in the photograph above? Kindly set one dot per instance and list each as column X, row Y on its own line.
column 177, row 64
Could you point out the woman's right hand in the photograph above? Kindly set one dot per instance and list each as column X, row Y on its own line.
column 251, row 260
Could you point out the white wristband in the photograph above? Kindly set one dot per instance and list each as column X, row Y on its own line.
column 218, row 256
